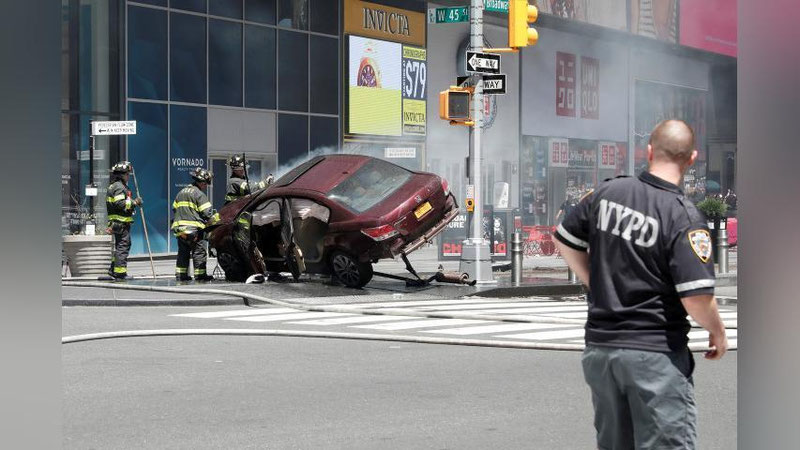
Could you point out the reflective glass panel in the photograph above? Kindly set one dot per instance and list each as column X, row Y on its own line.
column 293, row 71
column 262, row 11
column 324, row 75
column 325, row 16
column 292, row 139
column 259, row 73
column 187, row 58
column 147, row 53
column 293, row 14
column 189, row 5
column 225, row 8
column 225, row 63
column 324, row 135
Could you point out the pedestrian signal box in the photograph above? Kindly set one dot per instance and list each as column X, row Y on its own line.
column 454, row 104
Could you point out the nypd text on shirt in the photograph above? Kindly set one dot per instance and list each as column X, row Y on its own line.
column 627, row 224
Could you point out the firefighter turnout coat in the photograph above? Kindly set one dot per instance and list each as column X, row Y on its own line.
column 191, row 210
column 119, row 204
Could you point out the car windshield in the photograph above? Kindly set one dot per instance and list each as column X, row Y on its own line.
column 370, row 184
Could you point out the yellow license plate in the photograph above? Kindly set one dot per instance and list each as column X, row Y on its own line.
column 423, row 209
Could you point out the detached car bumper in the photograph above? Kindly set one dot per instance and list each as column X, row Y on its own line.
column 433, row 232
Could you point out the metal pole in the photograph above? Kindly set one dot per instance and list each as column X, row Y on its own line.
column 572, row 276
column 722, row 249
column 476, row 256
column 516, row 258
column 144, row 226
column 91, row 172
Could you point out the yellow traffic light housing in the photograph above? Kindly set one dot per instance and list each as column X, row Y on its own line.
column 454, row 105
column 520, row 14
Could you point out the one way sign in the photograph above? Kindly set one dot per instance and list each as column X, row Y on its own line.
column 483, row 62
column 494, row 84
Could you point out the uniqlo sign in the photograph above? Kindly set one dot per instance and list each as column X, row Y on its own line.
column 559, row 152
column 565, row 84
column 590, row 88
column 607, row 155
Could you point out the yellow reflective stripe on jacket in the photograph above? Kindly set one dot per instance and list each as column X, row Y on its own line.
column 204, row 206
column 230, row 198
column 116, row 198
column 214, row 218
column 120, row 218
column 177, row 205
column 188, row 223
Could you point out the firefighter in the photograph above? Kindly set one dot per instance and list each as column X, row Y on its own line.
column 120, row 208
column 238, row 186
column 191, row 211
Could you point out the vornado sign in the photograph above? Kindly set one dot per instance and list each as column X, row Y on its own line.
column 384, row 22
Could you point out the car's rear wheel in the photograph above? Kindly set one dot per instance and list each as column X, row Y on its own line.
column 349, row 271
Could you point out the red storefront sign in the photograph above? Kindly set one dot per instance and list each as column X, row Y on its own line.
column 559, row 152
column 608, row 155
column 590, row 88
column 565, row 84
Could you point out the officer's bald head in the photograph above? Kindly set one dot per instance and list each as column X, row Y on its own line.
column 672, row 140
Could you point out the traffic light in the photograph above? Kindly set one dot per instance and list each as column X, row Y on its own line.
column 520, row 14
column 454, row 104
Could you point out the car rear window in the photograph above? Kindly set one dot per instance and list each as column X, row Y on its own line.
column 371, row 183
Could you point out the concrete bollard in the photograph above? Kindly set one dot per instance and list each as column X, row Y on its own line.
column 516, row 258
column 722, row 249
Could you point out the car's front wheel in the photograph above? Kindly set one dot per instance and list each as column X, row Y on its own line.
column 349, row 271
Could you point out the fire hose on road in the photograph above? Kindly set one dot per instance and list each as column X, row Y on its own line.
column 250, row 298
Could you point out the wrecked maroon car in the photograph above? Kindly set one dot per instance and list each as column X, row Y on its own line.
column 335, row 214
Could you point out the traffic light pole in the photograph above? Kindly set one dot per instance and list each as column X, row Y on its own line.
column 476, row 260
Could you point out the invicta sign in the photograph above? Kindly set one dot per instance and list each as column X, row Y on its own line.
column 387, row 22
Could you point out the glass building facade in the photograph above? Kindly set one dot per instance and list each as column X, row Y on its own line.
column 203, row 79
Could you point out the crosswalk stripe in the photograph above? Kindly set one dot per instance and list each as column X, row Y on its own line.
column 504, row 328
column 499, row 306
column 356, row 319
column 704, row 334
column 426, row 323
column 728, row 314
column 409, row 303
column 547, row 335
column 236, row 313
column 539, row 310
column 295, row 316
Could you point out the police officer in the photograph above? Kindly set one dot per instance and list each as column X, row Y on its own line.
column 119, row 208
column 238, row 186
column 649, row 263
column 191, row 211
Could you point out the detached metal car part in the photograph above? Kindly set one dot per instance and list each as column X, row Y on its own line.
column 334, row 214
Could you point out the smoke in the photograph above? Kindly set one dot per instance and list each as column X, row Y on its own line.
column 292, row 163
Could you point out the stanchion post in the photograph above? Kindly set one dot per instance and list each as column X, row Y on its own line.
column 573, row 278
column 722, row 249
column 516, row 258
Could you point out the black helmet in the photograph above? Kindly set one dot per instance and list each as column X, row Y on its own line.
column 236, row 161
column 201, row 175
column 122, row 167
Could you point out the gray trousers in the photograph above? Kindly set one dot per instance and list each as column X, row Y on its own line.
column 642, row 399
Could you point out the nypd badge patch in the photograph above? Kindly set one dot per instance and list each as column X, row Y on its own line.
column 701, row 244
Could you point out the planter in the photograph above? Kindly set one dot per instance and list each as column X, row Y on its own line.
column 87, row 255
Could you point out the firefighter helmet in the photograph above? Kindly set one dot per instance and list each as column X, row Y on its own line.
column 201, row 175
column 236, row 161
column 122, row 167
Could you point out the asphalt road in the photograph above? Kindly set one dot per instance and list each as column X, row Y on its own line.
column 300, row 393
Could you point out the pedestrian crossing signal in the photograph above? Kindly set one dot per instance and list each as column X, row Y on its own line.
column 470, row 204
column 520, row 14
column 454, row 105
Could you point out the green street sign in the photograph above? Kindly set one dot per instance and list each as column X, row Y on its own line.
column 453, row 14
column 496, row 5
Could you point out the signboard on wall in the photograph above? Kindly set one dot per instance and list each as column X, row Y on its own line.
column 607, row 13
column 590, row 88
column 565, row 84
column 709, row 25
column 558, row 152
column 607, row 155
column 414, row 74
column 384, row 22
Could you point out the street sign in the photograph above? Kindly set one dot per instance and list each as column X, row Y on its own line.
column 482, row 62
column 116, row 127
column 453, row 14
column 496, row 5
column 494, row 84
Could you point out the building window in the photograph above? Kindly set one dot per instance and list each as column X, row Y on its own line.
column 262, row 11
column 325, row 16
column 155, row 2
column 292, row 138
column 293, row 14
column 187, row 58
column 259, row 73
column 225, row 8
column 189, row 5
column 293, row 71
column 147, row 53
column 324, row 134
column 147, row 151
column 324, row 75
column 225, row 63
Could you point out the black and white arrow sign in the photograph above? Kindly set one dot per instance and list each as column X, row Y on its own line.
column 494, row 84
column 483, row 62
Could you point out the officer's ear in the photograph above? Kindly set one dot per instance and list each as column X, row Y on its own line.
column 692, row 158
column 649, row 153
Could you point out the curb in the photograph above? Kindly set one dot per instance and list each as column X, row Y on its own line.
column 155, row 302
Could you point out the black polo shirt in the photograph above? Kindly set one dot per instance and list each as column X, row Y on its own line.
column 648, row 247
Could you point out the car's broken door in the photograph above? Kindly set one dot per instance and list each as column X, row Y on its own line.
column 293, row 255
